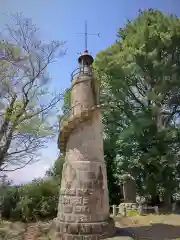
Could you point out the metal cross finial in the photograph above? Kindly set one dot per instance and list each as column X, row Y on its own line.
column 86, row 35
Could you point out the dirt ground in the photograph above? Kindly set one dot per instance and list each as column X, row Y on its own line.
column 151, row 227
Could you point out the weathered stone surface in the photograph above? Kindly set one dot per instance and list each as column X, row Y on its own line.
column 82, row 94
column 129, row 190
column 90, row 230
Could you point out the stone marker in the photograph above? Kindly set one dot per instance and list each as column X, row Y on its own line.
column 129, row 189
column 129, row 193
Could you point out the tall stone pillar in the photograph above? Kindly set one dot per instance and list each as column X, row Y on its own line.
column 83, row 211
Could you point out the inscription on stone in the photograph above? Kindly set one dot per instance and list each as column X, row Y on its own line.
column 68, row 191
column 80, row 218
column 75, row 192
column 81, row 209
column 83, row 228
column 79, row 237
column 72, row 200
column 75, row 200
column 85, row 201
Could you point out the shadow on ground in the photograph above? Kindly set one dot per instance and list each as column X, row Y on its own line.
column 123, row 233
column 152, row 232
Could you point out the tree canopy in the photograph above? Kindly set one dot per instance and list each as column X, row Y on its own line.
column 139, row 75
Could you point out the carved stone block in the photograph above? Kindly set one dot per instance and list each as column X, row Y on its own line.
column 84, row 228
column 85, row 201
column 81, row 209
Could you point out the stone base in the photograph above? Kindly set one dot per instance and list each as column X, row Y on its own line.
column 85, row 231
column 127, row 206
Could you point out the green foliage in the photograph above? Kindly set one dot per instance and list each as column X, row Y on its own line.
column 140, row 82
column 115, row 193
column 35, row 201
column 67, row 101
column 66, row 107
column 56, row 170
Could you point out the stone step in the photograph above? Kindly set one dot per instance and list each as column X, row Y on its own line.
column 72, row 123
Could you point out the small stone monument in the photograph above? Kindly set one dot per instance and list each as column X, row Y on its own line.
column 129, row 193
column 129, row 189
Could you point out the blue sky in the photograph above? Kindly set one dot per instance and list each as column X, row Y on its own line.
column 62, row 20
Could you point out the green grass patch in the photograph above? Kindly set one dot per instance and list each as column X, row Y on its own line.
column 132, row 213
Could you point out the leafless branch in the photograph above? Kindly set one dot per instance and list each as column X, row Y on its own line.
column 27, row 106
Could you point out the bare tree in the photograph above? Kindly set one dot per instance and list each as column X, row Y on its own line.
column 26, row 105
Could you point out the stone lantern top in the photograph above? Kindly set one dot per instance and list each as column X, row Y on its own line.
column 85, row 59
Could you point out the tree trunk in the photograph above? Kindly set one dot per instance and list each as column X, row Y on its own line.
column 155, row 200
column 167, row 200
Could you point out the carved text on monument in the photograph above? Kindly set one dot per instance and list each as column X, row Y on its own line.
column 74, row 200
column 81, row 209
column 88, row 228
column 80, row 218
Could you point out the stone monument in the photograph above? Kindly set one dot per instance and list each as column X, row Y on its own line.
column 83, row 211
column 129, row 189
column 129, row 193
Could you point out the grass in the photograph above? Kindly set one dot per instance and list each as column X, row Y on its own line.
column 131, row 213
